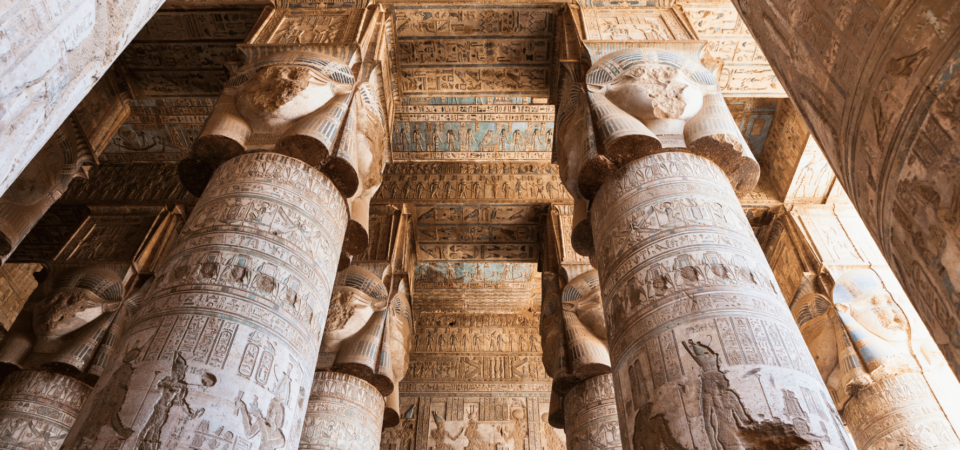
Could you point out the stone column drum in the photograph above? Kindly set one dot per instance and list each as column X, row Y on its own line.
column 705, row 353
column 38, row 408
column 344, row 412
column 223, row 350
column 883, row 373
column 590, row 415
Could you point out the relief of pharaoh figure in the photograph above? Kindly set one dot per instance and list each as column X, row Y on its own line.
column 870, row 347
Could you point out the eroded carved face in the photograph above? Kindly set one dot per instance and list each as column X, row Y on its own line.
column 277, row 95
column 661, row 97
column 589, row 310
column 880, row 315
column 349, row 312
column 68, row 310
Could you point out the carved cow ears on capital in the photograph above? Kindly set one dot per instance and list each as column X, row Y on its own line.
column 294, row 103
column 70, row 324
column 362, row 317
column 638, row 102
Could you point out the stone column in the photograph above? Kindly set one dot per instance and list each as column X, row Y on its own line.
column 882, row 103
column 590, row 415
column 704, row 353
column 703, row 349
column 38, row 408
column 364, row 354
column 60, row 341
column 224, row 350
column 576, row 357
column 230, row 334
column 882, row 372
column 344, row 412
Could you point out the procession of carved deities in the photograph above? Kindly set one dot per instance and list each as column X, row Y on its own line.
column 406, row 217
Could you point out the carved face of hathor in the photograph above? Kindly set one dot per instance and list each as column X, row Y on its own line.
column 880, row 315
column 660, row 96
column 68, row 310
column 278, row 95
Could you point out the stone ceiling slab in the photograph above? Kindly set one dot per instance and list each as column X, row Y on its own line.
column 474, row 50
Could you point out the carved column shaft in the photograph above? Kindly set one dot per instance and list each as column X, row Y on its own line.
column 344, row 412
column 590, row 415
column 704, row 352
column 38, row 408
column 224, row 348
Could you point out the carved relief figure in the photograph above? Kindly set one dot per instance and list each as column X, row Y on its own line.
column 173, row 392
column 722, row 409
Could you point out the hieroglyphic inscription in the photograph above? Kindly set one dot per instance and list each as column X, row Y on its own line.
column 590, row 415
column 473, row 50
column 459, row 187
column 647, row 24
column 673, row 248
column 344, row 412
column 37, row 409
column 746, row 71
column 238, row 308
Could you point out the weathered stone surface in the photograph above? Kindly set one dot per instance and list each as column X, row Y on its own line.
column 687, row 273
column 53, row 54
column 38, row 408
column 881, row 102
column 235, row 316
column 344, row 412
column 17, row 282
column 873, row 363
column 590, row 415
column 42, row 182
